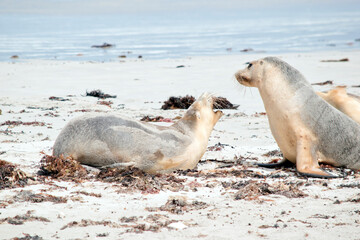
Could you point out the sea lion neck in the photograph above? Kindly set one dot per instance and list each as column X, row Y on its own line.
column 185, row 125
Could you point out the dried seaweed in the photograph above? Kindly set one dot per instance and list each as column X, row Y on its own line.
column 179, row 205
column 62, row 168
column 155, row 119
column 11, row 177
column 251, row 190
column 329, row 82
column 28, row 237
column 29, row 196
column 88, row 222
column 17, row 123
column 99, row 94
column 336, row 60
column 106, row 103
column 178, row 102
column 61, row 99
column 21, row 219
column 185, row 103
column 131, row 179
column 223, row 103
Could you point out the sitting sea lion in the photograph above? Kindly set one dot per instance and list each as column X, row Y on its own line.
column 111, row 140
column 344, row 102
column 307, row 129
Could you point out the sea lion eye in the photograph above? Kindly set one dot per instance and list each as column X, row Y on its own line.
column 249, row 66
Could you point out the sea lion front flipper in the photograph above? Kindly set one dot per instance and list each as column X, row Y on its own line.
column 282, row 162
column 306, row 163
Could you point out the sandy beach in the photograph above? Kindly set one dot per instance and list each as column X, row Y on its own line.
column 226, row 197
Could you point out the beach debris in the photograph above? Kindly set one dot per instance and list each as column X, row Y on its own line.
column 104, row 45
column 223, row 103
column 259, row 114
column 11, row 177
column 331, row 45
column 156, row 119
column 140, row 56
column 21, row 219
column 336, row 60
column 29, row 196
column 0, row 112
column 328, row 82
column 14, row 57
column 354, row 86
column 106, row 103
column 17, row 123
column 122, row 56
column 88, row 222
column 99, row 94
column 179, row 205
column 247, row 50
column 273, row 153
column 357, row 40
column 61, row 168
column 251, row 190
column 28, row 237
column 185, row 103
column 218, row 147
column 228, row 49
column 53, row 98
column 79, row 55
column 178, row 102
column 134, row 179
column 180, row 66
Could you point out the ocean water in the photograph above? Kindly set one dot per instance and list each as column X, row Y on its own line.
column 159, row 37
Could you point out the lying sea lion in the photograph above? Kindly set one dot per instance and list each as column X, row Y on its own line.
column 344, row 102
column 111, row 140
column 307, row 129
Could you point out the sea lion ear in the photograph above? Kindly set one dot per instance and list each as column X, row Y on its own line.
column 261, row 62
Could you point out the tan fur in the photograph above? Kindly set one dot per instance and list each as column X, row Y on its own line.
column 114, row 141
column 285, row 101
column 345, row 103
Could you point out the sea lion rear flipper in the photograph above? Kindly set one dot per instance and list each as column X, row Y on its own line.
column 319, row 176
column 283, row 162
column 306, row 163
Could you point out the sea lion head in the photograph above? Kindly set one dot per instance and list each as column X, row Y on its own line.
column 202, row 110
column 258, row 73
column 252, row 75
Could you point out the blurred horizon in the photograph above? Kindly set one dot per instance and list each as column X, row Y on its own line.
column 157, row 29
column 168, row 7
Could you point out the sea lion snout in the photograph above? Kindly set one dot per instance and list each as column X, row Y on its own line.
column 243, row 77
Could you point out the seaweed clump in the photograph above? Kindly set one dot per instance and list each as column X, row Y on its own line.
column 10, row 176
column 178, row 103
column 62, row 168
column 251, row 190
column 185, row 103
column 132, row 178
column 223, row 103
column 99, row 94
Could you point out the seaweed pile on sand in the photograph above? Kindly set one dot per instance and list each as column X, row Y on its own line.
column 132, row 178
column 62, row 168
column 185, row 103
column 99, row 94
column 11, row 177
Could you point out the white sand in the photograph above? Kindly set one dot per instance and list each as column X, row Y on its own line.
column 141, row 86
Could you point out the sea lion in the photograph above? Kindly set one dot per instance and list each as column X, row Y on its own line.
column 112, row 140
column 344, row 102
column 307, row 129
